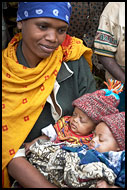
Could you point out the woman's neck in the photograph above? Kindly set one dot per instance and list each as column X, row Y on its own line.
column 30, row 58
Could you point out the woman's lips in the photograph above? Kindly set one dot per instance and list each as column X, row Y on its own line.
column 47, row 49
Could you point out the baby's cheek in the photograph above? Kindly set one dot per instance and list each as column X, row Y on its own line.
column 99, row 147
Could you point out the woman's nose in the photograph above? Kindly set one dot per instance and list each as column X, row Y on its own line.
column 52, row 36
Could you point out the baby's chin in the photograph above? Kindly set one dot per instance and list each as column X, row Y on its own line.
column 75, row 132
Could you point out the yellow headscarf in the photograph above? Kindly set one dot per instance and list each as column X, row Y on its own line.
column 25, row 90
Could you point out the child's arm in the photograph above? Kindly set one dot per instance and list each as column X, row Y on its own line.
column 48, row 133
column 104, row 184
column 27, row 145
column 27, row 175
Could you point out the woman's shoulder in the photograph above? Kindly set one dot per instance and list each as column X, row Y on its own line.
column 79, row 63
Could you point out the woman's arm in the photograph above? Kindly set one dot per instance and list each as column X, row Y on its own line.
column 27, row 175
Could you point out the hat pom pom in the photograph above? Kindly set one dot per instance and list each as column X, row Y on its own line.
column 114, row 86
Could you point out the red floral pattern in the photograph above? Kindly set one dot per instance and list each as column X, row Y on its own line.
column 46, row 77
column 55, row 72
column 12, row 151
column 26, row 118
column 42, row 87
column 8, row 75
column 5, row 127
column 3, row 106
column 24, row 67
column 67, row 41
column 24, row 100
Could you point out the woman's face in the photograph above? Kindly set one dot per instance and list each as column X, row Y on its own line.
column 103, row 140
column 80, row 123
column 41, row 36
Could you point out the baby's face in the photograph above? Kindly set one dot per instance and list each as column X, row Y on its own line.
column 103, row 140
column 80, row 123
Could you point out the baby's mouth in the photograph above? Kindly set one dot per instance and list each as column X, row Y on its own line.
column 73, row 126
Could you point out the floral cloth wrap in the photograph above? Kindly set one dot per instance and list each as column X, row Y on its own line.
column 68, row 165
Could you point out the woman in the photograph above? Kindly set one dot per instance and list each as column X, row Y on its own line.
column 44, row 70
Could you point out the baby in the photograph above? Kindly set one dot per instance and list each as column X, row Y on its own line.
column 101, row 165
column 108, row 147
column 109, row 135
column 88, row 110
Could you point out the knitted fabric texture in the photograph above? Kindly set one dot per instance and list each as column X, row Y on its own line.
column 101, row 102
column 97, row 104
column 116, row 123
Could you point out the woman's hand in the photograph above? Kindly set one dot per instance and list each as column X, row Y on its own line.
column 27, row 145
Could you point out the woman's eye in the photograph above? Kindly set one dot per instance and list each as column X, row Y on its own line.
column 42, row 27
column 61, row 31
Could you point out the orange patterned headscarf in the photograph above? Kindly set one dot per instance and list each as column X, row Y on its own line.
column 25, row 90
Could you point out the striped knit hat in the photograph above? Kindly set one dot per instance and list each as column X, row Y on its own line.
column 101, row 102
column 116, row 124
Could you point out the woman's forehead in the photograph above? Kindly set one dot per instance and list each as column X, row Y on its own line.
column 48, row 21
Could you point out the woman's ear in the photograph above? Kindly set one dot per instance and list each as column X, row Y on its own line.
column 19, row 25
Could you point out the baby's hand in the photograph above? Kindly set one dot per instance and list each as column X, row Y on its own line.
column 104, row 184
